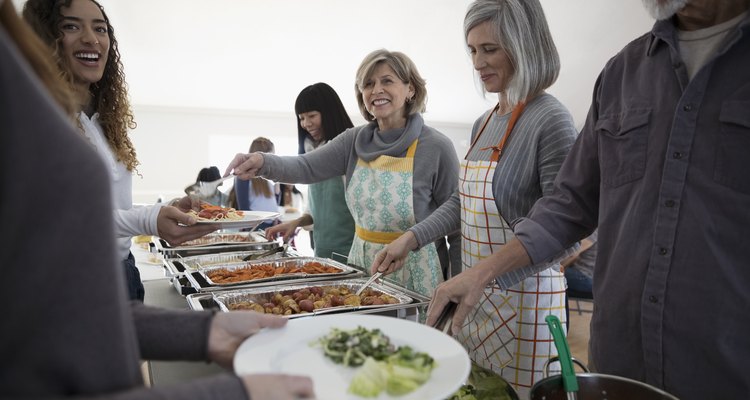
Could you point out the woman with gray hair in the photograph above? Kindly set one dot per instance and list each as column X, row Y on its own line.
column 398, row 170
column 516, row 150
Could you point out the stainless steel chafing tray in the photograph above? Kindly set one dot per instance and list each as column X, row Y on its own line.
column 342, row 270
column 214, row 243
column 182, row 265
column 411, row 304
column 200, row 285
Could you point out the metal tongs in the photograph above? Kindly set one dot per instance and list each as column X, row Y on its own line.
column 443, row 323
column 205, row 189
column 372, row 279
column 268, row 253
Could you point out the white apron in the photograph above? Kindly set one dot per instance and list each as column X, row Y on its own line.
column 380, row 198
column 506, row 332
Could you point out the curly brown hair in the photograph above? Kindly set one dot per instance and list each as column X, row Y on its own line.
column 110, row 94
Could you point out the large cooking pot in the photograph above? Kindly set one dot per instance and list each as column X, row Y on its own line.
column 592, row 386
column 586, row 386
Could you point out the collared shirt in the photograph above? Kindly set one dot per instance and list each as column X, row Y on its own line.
column 661, row 167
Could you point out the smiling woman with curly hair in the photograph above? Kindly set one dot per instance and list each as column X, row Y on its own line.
column 107, row 95
column 83, row 43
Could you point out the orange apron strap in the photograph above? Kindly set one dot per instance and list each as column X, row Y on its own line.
column 497, row 149
column 481, row 130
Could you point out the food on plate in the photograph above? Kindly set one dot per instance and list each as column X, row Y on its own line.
column 397, row 371
column 142, row 239
column 352, row 347
column 400, row 373
column 255, row 271
column 291, row 302
column 220, row 238
column 210, row 212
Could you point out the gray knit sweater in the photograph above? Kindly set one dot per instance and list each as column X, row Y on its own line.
column 435, row 167
column 533, row 154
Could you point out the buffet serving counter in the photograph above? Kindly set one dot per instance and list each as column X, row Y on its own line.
column 185, row 284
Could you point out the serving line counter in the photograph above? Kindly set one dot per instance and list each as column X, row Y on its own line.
column 178, row 278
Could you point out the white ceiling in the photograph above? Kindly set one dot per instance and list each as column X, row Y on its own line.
column 257, row 54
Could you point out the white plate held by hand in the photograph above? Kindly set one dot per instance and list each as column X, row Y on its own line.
column 250, row 219
column 288, row 350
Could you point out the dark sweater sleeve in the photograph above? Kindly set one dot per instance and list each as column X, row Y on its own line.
column 171, row 334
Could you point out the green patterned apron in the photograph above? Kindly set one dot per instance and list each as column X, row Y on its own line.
column 380, row 198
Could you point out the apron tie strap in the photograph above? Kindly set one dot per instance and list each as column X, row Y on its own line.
column 375, row 236
column 497, row 149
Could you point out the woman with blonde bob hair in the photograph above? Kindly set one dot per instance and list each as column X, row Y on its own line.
column 516, row 149
column 404, row 69
column 398, row 170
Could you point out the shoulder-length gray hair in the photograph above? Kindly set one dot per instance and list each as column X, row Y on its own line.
column 405, row 70
column 521, row 29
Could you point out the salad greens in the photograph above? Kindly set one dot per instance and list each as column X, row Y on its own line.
column 397, row 371
column 352, row 347
column 484, row 384
column 399, row 374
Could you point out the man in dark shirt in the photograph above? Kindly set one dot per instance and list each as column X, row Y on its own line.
column 661, row 168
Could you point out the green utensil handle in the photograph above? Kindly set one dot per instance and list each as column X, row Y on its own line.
column 568, row 374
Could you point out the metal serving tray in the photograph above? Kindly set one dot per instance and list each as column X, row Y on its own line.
column 411, row 304
column 254, row 241
column 200, row 285
column 293, row 261
column 182, row 265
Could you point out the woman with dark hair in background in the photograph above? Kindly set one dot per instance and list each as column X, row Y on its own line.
column 85, row 48
column 211, row 174
column 321, row 117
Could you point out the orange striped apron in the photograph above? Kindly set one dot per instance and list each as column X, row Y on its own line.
column 506, row 332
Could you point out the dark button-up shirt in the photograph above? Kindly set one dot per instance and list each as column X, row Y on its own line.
column 662, row 166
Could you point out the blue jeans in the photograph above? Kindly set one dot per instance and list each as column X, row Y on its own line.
column 578, row 281
column 133, row 279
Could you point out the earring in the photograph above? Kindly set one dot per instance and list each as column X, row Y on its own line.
column 409, row 100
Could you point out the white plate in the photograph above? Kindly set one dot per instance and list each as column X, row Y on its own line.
column 250, row 219
column 287, row 350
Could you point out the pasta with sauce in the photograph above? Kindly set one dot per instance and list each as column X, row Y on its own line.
column 210, row 212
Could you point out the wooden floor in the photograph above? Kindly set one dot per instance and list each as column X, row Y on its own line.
column 578, row 330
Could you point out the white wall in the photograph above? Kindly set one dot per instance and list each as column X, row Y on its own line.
column 206, row 77
column 173, row 143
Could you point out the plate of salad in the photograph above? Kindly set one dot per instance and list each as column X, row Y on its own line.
column 355, row 356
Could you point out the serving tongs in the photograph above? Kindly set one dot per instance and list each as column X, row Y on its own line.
column 205, row 189
column 369, row 282
column 258, row 256
column 443, row 323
